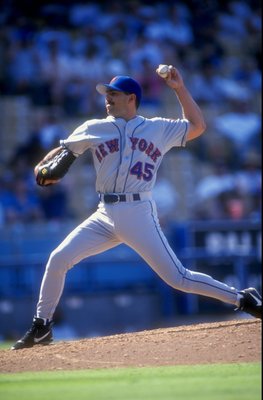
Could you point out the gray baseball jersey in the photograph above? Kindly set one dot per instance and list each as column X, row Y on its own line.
column 126, row 156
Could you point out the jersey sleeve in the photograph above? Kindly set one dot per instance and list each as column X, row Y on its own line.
column 79, row 141
column 174, row 132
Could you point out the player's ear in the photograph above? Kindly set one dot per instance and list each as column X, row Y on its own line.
column 132, row 98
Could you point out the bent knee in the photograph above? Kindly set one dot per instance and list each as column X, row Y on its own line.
column 58, row 261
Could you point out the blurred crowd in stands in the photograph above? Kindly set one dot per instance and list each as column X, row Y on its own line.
column 55, row 53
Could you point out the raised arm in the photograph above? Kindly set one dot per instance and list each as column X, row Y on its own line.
column 190, row 109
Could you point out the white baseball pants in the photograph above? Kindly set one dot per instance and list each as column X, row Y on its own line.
column 135, row 224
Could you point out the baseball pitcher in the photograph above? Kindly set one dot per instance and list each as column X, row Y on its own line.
column 127, row 151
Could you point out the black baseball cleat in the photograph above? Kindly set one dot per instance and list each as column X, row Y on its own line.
column 39, row 333
column 251, row 302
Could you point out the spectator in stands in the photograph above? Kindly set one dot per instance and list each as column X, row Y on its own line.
column 23, row 66
column 56, row 67
column 210, row 191
column 46, row 131
column 205, row 85
column 220, row 181
column 233, row 205
column 240, row 124
column 248, row 178
column 54, row 203
column 152, row 88
column 20, row 204
column 249, row 182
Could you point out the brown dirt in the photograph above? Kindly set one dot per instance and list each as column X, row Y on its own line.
column 221, row 342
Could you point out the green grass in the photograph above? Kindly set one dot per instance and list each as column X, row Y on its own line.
column 6, row 345
column 199, row 382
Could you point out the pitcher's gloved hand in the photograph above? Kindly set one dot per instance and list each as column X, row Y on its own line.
column 53, row 167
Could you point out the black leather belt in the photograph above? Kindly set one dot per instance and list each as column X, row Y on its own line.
column 116, row 198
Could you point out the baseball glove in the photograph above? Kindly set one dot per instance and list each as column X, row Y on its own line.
column 54, row 166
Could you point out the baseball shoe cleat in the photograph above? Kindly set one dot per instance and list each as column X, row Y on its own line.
column 251, row 302
column 39, row 333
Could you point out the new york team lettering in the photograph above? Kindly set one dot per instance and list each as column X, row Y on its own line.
column 148, row 148
column 112, row 146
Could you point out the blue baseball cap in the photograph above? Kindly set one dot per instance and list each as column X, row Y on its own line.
column 121, row 84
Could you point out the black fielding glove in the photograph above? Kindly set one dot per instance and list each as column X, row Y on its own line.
column 55, row 168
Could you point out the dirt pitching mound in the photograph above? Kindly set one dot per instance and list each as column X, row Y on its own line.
column 204, row 343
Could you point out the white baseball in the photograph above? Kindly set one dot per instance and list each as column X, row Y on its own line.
column 163, row 70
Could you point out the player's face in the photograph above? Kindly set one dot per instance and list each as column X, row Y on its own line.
column 117, row 103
